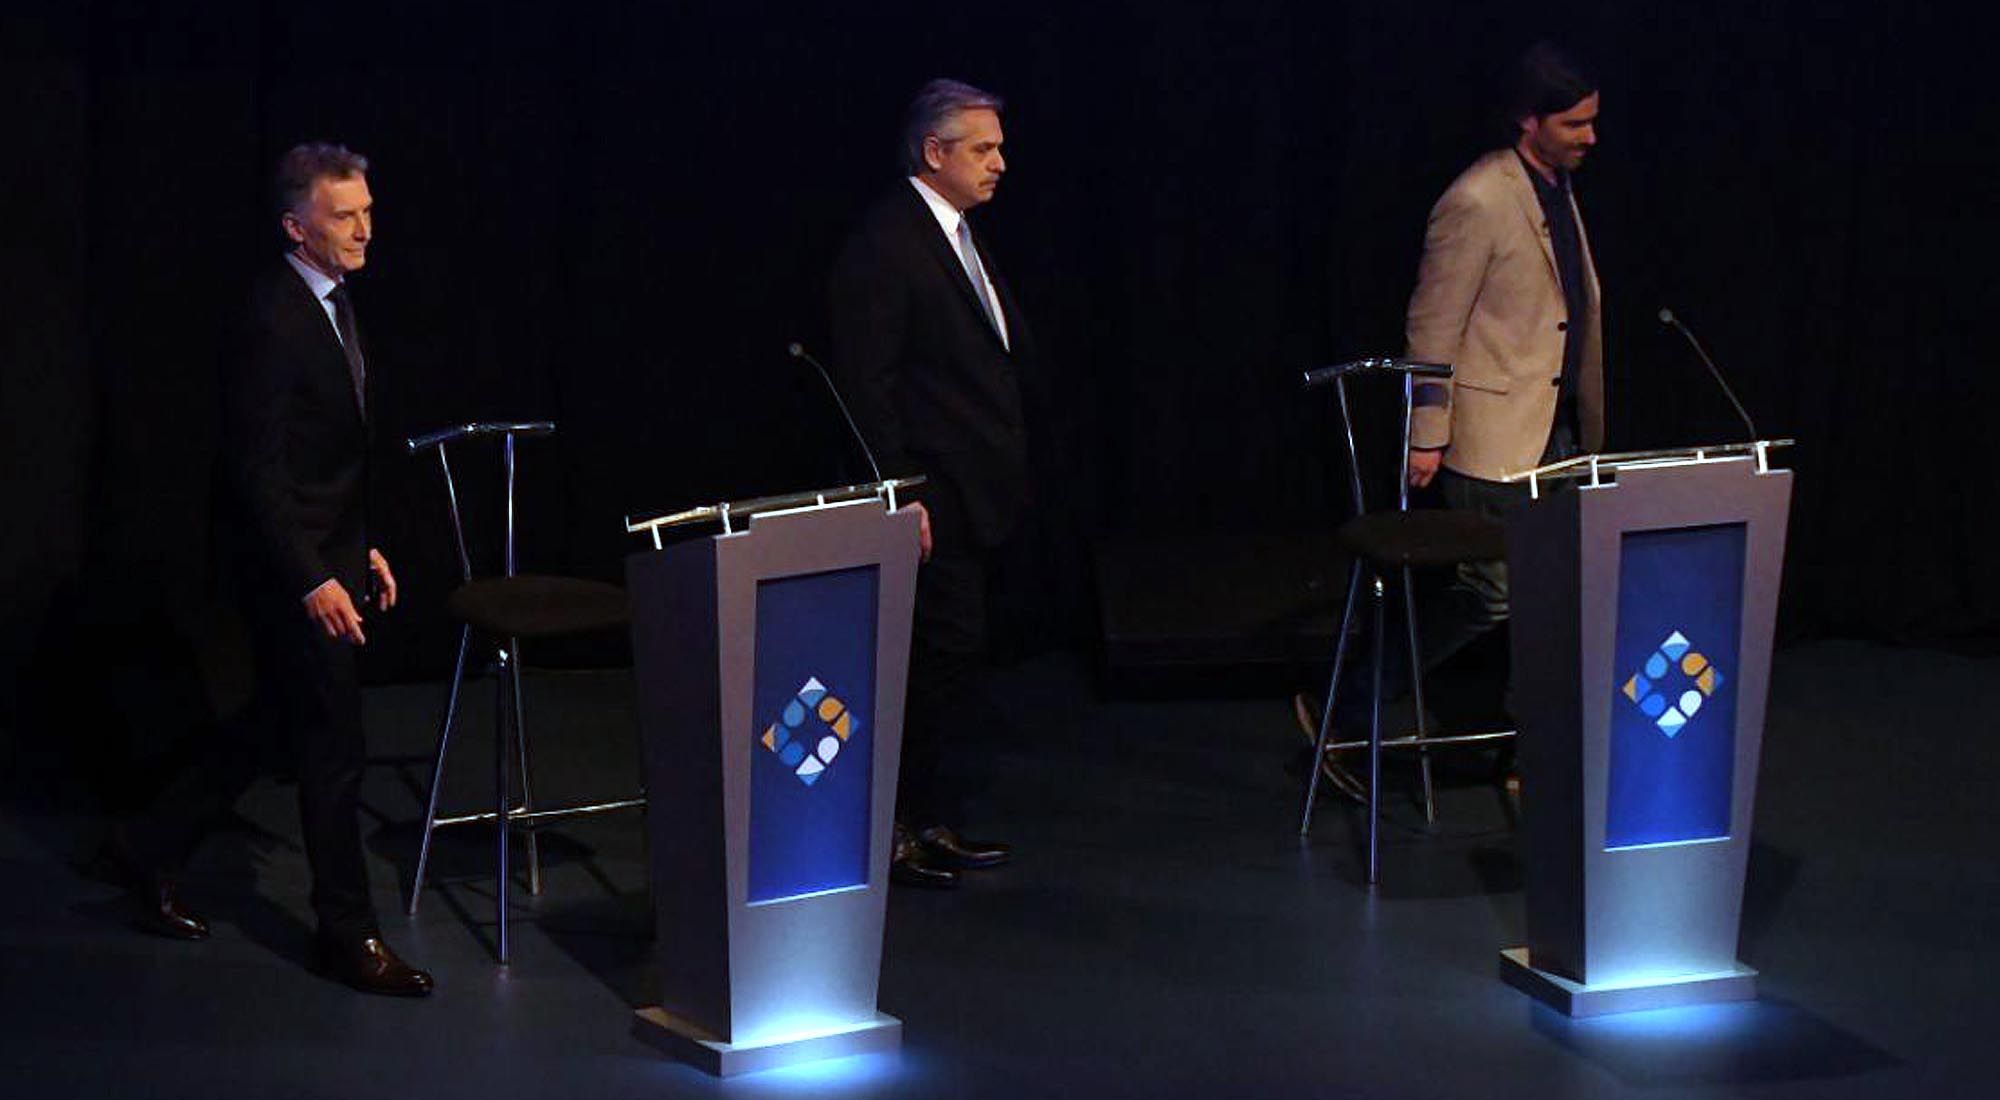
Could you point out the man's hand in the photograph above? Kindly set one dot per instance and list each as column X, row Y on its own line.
column 330, row 606
column 923, row 530
column 1424, row 466
column 385, row 581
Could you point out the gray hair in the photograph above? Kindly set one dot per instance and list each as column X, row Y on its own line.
column 932, row 112
column 305, row 165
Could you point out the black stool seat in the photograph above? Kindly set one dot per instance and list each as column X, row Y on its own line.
column 1421, row 538
column 533, row 606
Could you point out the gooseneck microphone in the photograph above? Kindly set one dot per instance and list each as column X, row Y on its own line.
column 798, row 351
column 1667, row 318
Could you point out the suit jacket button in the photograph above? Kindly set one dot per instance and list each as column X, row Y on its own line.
column 1556, row 381
column 1562, row 326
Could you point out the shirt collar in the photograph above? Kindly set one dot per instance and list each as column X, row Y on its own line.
column 1542, row 186
column 316, row 280
column 948, row 216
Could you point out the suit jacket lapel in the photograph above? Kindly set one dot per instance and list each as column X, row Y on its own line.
column 941, row 250
column 312, row 314
column 1531, row 208
column 1583, row 240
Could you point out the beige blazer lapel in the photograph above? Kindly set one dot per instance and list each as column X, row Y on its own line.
column 1531, row 209
column 1590, row 288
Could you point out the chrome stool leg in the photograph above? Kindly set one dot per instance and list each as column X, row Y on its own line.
column 529, row 838
column 1417, row 697
column 502, row 715
column 437, row 769
column 1375, row 743
column 1332, row 693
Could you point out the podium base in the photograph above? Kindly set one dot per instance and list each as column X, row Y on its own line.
column 1575, row 999
column 684, row 1041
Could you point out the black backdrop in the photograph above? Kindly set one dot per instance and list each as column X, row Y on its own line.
column 617, row 214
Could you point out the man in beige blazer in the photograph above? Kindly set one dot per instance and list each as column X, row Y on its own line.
column 1507, row 294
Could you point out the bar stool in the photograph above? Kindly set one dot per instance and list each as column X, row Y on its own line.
column 1386, row 543
column 504, row 610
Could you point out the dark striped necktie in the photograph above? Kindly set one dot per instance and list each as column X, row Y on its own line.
column 350, row 344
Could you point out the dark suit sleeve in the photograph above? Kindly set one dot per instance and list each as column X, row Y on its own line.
column 870, row 314
column 258, row 400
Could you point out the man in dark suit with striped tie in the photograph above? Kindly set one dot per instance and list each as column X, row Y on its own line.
column 934, row 353
column 295, row 459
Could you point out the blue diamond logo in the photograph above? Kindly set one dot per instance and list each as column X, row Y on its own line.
column 1673, row 684
column 808, row 734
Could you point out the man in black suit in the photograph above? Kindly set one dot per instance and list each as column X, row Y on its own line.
column 933, row 349
column 295, row 456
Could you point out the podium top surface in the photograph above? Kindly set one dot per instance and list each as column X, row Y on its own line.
column 728, row 513
column 1319, row 376
column 1596, row 468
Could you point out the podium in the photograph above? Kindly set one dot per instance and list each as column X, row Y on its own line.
column 1644, row 592
column 770, row 661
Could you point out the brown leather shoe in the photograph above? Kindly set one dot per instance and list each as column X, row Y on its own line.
column 162, row 914
column 154, row 898
column 953, row 850
column 367, row 964
column 1306, row 713
column 911, row 863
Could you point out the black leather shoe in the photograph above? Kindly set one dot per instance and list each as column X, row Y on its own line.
column 911, row 864
column 952, row 850
column 155, row 901
column 368, row 965
column 162, row 914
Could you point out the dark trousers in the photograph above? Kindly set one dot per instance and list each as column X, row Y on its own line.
column 1476, row 600
column 309, row 699
column 1473, row 603
column 946, row 690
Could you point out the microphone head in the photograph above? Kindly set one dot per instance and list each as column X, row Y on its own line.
column 1666, row 317
column 796, row 350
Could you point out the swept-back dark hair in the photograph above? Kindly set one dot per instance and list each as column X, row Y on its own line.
column 1543, row 81
column 305, row 165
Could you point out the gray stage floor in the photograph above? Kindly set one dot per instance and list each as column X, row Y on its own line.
column 1164, row 933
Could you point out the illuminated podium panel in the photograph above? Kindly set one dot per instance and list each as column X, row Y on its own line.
column 770, row 663
column 1644, row 593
